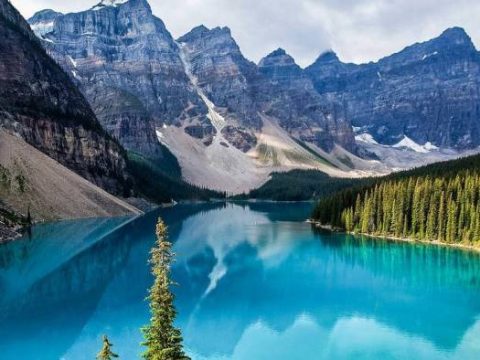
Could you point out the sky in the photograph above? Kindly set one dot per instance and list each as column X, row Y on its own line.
column 357, row 30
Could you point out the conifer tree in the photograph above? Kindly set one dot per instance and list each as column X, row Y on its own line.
column 106, row 352
column 162, row 340
column 441, row 218
column 431, row 220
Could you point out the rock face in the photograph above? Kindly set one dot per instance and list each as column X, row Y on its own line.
column 129, row 68
column 137, row 78
column 429, row 92
column 43, row 21
column 291, row 97
column 277, row 87
column 226, row 77
column 40, row 103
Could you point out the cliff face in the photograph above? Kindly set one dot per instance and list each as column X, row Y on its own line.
column 39, row 102
column 129, row 68
column 226, row 77
column 137, row 78
column 277, row 88
column 291, row 97
column 429, row 92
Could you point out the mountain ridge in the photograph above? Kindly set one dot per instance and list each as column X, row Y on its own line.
column 341, row 110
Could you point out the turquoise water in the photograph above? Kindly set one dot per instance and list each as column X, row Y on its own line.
column 256, row 282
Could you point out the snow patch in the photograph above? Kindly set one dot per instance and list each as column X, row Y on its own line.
column 429, row 146
column 366, row 138
column 108, row 3
column 73, row 62
column 42, row 28
column 160, row 135
column 426, row 56
column 407, row 143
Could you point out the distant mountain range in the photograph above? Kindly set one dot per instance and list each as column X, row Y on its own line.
column 199, row 96
column 230, row 122
column 428, row 92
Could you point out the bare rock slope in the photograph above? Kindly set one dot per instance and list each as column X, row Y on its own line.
column 30, row 181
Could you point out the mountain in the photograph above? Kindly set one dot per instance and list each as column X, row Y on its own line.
column 128, row 66
column 50, row 140
column 292, row 98
column 39, row 102
column 44, row 21
column 427, row 94
column 223, row 73
column 276, row 88
column 199, row 96
column 230, row 122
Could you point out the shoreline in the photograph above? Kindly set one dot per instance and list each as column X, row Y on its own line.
column 460, row 246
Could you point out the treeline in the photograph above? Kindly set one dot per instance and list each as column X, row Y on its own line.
column 438, row 202
column 300, row 185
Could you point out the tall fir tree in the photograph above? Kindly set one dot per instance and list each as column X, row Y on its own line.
column 162, row 339
column 106, row 353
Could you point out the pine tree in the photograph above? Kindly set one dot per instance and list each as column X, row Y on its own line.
column 162, row 340
column 106, row 352
column 431, row 220
column 441, row 218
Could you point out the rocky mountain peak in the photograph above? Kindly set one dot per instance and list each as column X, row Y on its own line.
column 456, row 35
column 42, row 22
column 452, row 46
column 196, row 33
column 278, row 57
column 280, row 66
column 45, row 15
column 216, row 35
column 109, row 3
column 129, row 69
column 328, row 56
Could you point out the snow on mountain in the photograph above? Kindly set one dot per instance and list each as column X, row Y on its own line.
column 106, row 3
column 407, row 143
column 42, row 28
column 366, row 138
column 43, row 22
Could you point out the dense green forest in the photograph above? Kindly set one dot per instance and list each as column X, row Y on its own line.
column 300, row 185
column 437, row 202
column 161, row 181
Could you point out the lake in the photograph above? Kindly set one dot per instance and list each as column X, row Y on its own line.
column 255, row 282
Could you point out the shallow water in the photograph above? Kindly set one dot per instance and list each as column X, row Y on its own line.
column 256, row 282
